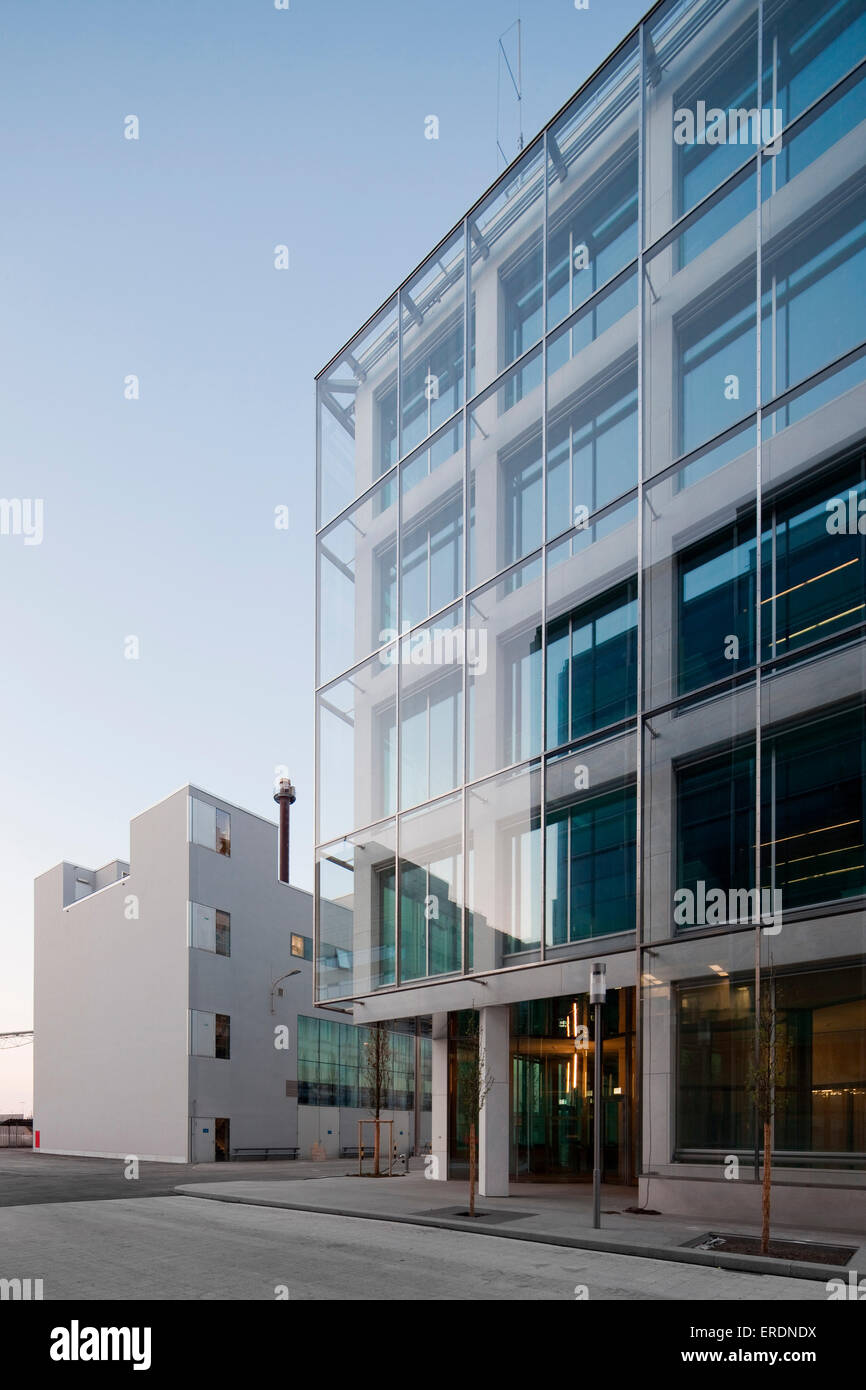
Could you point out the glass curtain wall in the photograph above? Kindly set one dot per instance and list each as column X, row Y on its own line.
column 592, row 594
column 751, row 599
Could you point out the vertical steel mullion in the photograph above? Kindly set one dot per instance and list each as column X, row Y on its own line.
column 758, row 565
column 774, row 553
column 772, row 821
column 639, row 729
column 542, row 929
column 398, row 740
column 464, row 587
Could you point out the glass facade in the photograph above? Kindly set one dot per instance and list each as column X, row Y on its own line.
column 592, row 571
column 331, row 1066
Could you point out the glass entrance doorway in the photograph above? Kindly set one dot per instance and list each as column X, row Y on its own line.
column 552, row 1068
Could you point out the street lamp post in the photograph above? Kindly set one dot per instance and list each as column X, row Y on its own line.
column 597, row 994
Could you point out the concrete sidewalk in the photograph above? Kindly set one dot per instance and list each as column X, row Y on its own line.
column 554, row 1214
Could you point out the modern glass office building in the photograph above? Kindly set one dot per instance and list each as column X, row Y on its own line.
column 592, row 623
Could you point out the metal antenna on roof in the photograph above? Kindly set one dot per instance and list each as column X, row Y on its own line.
column 516, row 82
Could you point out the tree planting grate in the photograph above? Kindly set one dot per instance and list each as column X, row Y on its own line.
column 493, row 1218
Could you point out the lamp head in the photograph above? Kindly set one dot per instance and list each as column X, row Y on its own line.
column 597, row 985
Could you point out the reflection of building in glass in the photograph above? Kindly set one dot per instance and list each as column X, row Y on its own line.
column 617, row 424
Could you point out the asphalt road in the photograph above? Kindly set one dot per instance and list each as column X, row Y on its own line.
column 27, row 1177
column 185, row 1248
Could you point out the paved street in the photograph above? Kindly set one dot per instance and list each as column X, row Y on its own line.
column 184, row 1248
column 27, row 1177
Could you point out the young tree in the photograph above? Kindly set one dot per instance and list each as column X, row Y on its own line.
column 473, row 1084
column 765, row 1087
column 377, row 1077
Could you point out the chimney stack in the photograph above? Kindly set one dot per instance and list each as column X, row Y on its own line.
column 285, row 797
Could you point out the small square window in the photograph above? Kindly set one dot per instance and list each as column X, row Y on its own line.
column 297, row 945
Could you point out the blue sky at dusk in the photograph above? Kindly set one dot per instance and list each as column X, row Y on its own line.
column 155, row 258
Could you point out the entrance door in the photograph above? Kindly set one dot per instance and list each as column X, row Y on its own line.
column 222, row 1145
column 201, row 1139
column 552, row 1072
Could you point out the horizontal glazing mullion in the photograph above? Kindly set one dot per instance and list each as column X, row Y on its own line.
column 391, row 474
column 623, row 728
column 564, row 325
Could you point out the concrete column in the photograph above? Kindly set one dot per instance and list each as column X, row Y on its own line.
column 439, row 1128
column 495, row 1117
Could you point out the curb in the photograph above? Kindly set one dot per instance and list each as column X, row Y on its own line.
column 744, row 1264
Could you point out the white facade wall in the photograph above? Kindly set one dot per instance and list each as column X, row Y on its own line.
column 111, row 991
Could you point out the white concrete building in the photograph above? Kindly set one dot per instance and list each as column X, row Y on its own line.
column 168, row 994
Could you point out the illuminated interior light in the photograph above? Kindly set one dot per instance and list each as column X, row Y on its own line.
column 813, row 580
column 823, row 623
column 801, row 834
column 820, row 854
column 830, row 873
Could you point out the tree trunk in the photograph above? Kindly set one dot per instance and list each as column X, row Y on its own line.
column 472, row 1169
column 765, row 1194
column 376, row 1147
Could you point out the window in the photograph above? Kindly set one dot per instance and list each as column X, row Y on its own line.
column 522, row 488
column 812, row 815
column 717, row 602
column 209, row 929
column 522, row 296
column 717, row 365
column 592, row 238
column 386, row 586
column 210, row 826
column 716, row 1049
column 384, row 927
column 433, row 385
column 223, row 934
column 592, row 666
column 520, row 729
column 432, row 739
column 302, row 946
column 728, row 82
column 813, row 289
column 822, row 1017
column 716, row 811
column 592, row 453
column 814, row 780
column 222, row 1037
column 432, row 562
column 814, row 563
column 387, row 407
column 331, row 1065
column 821, row 1103
column 431, row 891
column 813, row 43
column 591, row 855
column 813, row 580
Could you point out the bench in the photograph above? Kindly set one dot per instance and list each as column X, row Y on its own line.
column 265, row 1153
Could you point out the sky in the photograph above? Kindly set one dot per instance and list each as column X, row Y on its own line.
column 154, row 258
